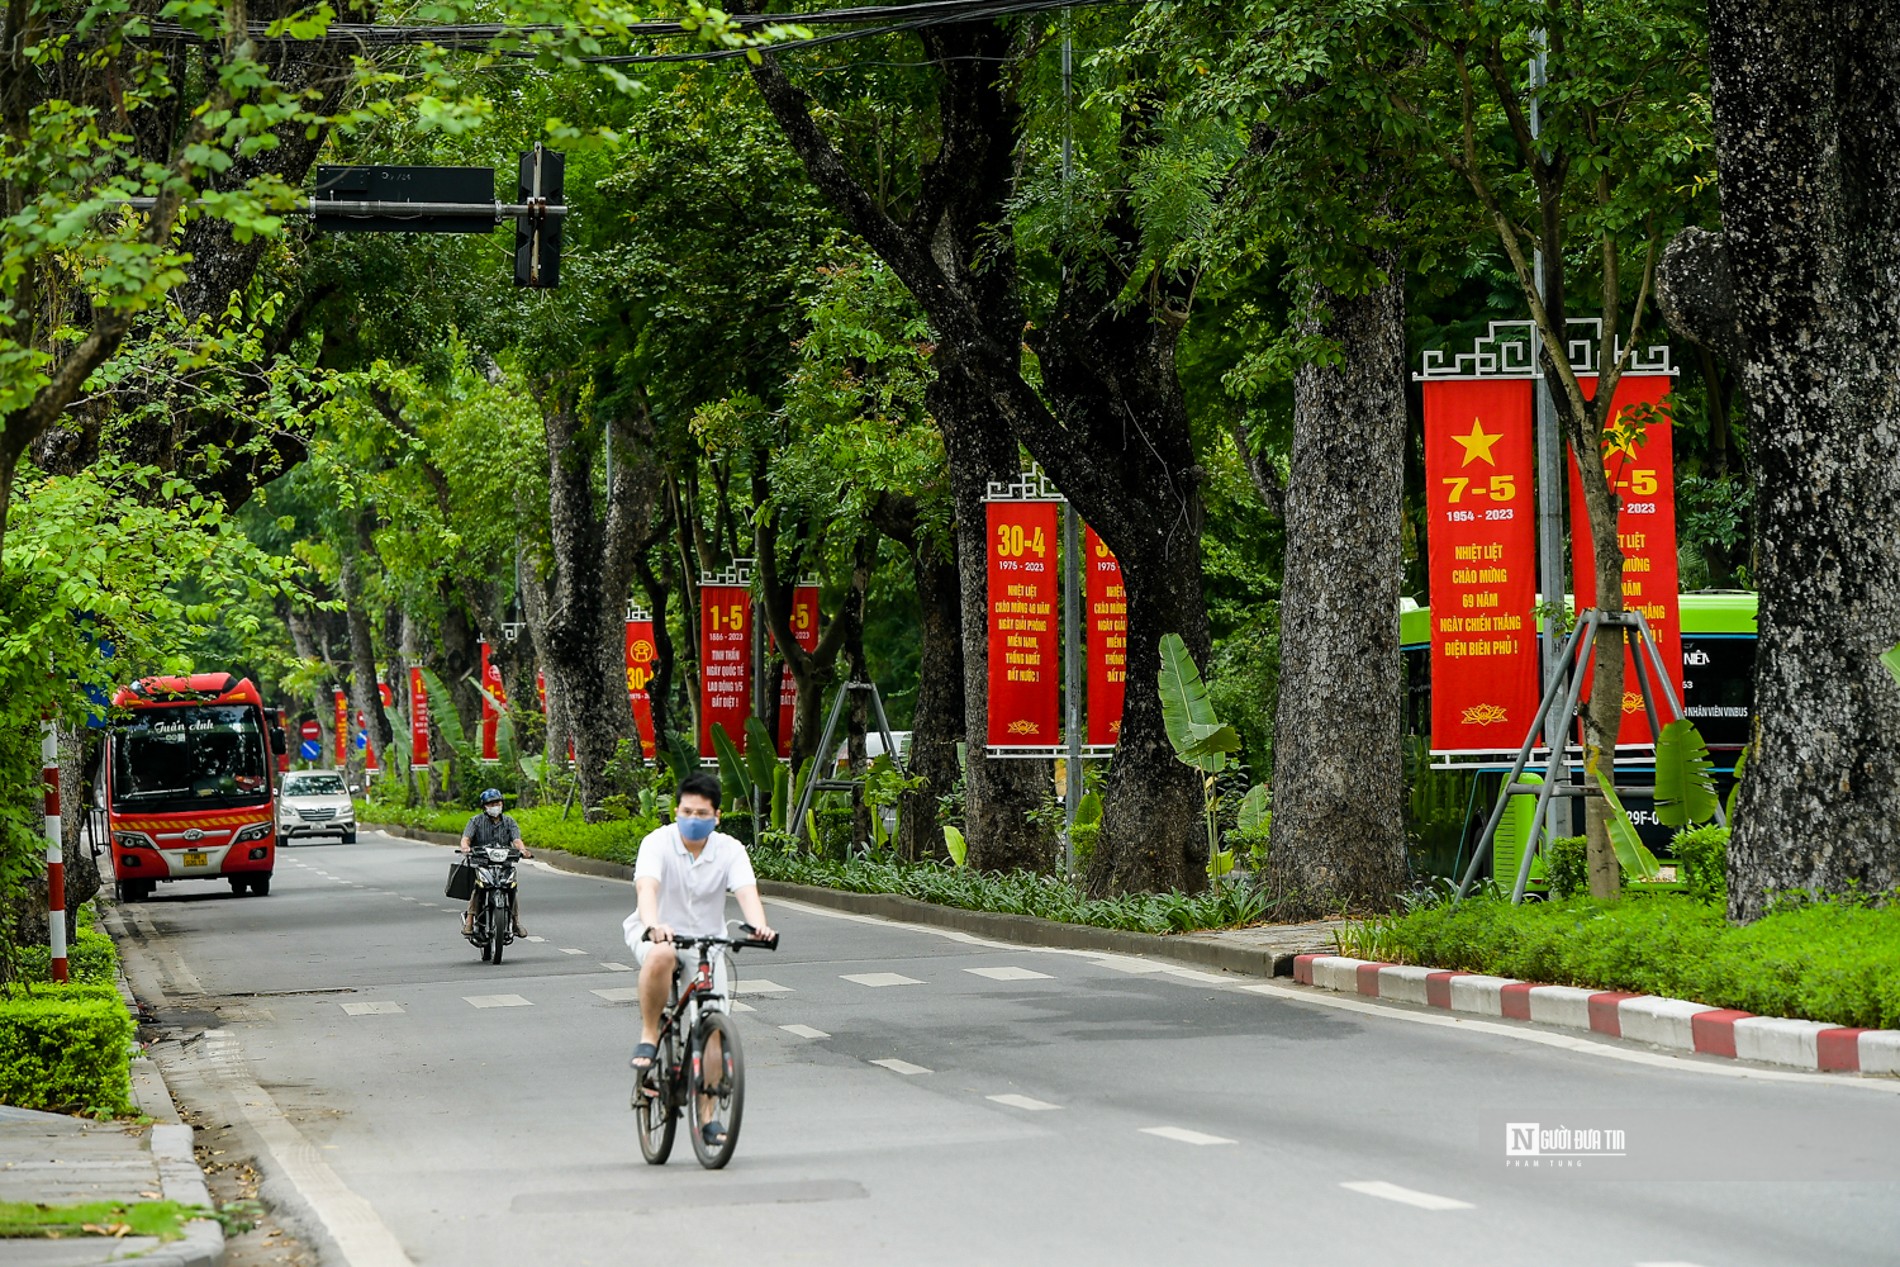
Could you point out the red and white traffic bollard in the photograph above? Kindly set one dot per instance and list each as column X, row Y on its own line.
column 55, row 859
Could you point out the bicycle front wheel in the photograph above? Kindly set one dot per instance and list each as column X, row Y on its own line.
column 722, row 1081
column 653, row 1113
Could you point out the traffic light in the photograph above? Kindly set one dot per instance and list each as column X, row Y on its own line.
column 537, row 234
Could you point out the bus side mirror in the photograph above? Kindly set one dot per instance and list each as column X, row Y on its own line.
column 278, row 744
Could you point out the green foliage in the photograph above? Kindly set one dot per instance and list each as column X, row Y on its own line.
column 1891, row 658
column 1632, row 855
column 1200, row 739
column 66, row 1049
column 1567, row 865
column 1685, row 782
column 735, row 781
column 955, row 846
column 1833, row 961
column 1702, row 854
column 542, row 827
column 1021, row 893
column 91, row 959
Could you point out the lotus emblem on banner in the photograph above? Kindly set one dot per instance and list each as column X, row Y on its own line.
column 1023, row 726
column 1485, row 714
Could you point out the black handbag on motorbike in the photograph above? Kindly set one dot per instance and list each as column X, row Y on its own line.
column 461, row 880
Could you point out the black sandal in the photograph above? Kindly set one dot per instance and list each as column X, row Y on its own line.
column 713, row 1133
column 648, row 1052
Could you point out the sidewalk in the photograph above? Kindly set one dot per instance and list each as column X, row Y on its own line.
column 52, row 1159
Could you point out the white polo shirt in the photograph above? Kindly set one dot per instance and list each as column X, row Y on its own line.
column 692, row 890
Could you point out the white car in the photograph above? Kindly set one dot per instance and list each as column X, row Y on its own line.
column 315, row 803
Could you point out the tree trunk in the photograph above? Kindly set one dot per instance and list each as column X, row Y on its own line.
column 365, row 701
column 937, row 720
column 1120, row 448
column 1807, row 115
column 1338, row 840
column 593, row 557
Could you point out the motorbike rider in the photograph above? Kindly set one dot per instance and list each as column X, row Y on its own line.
column 491, row 827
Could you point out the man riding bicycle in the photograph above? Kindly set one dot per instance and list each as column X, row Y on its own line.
column 682, row 875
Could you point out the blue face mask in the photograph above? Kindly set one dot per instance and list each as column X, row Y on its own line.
column 695, row 829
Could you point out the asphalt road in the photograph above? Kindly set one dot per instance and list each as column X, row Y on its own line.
column 409, row 1103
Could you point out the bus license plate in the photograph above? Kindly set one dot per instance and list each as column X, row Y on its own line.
column 196, row 857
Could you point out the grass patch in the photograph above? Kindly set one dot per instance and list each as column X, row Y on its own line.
column 163, row 1219
column 1837, row 962
column 616, row 840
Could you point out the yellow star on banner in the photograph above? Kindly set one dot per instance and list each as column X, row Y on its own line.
column 1478, row 444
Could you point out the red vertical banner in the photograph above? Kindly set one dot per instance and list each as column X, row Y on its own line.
column 1107, row 638
column 805, row 634
column 418, row 721
column 1482, row 550
column 1639, row 458
column 494, row 698
column 725, row 663
column 342, row 731
column 369, row 749
column 1024, row 669
column 640, row 657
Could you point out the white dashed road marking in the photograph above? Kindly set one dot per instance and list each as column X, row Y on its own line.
column 373, row 1009
column 617, row 967
column 1183, row 1135
column 875, row 979
column 495, row 1000
column 737, row 1006
column 1010, row 974
column 1023, row 1102
column 1406, row 1196
column 570, row 951
column 910, row 1071
column 629, row 994
column 804, row 1031
column 540, row 939
column 761, row 986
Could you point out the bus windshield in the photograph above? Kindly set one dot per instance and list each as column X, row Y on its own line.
column 188, row 757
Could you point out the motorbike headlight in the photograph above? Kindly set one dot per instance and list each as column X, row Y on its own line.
column 256, row 831
column 497, row 854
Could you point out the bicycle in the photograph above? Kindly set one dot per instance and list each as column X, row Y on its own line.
column 677, row 1077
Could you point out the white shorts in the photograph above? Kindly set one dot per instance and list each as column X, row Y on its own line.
column 689, row 961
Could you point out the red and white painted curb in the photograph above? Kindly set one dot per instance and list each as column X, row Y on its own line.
column 1673, row 1023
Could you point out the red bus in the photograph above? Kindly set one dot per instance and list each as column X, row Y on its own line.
column 190, row 793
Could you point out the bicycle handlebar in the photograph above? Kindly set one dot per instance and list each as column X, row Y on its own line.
column 736, row 943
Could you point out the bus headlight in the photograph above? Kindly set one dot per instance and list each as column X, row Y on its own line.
column 256, row 831
column 132, row 840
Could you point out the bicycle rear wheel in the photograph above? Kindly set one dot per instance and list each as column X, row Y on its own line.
column 723, row 1080
column 654, row 1114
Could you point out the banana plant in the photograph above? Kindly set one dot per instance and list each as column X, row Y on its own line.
column 1201, row 740
column 955, row 845
column 1631, row 854
column 1685, row 778
column 734, row 778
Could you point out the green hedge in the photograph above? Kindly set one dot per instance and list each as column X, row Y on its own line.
column 616, row 840
column 1833, row 962
column 1019, row 893
column 91, row 958
column 66, row 1049
column 1015, row 893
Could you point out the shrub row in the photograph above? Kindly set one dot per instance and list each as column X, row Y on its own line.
column 1013, row 893
column 1019, row 893
column 66, row 1049
column 91, row 958
column 1837, row 962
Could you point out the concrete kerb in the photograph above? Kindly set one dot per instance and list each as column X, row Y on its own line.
column 1675, row 1024
column 1024, row 930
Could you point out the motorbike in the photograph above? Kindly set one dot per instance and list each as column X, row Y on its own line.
column 495, row 899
